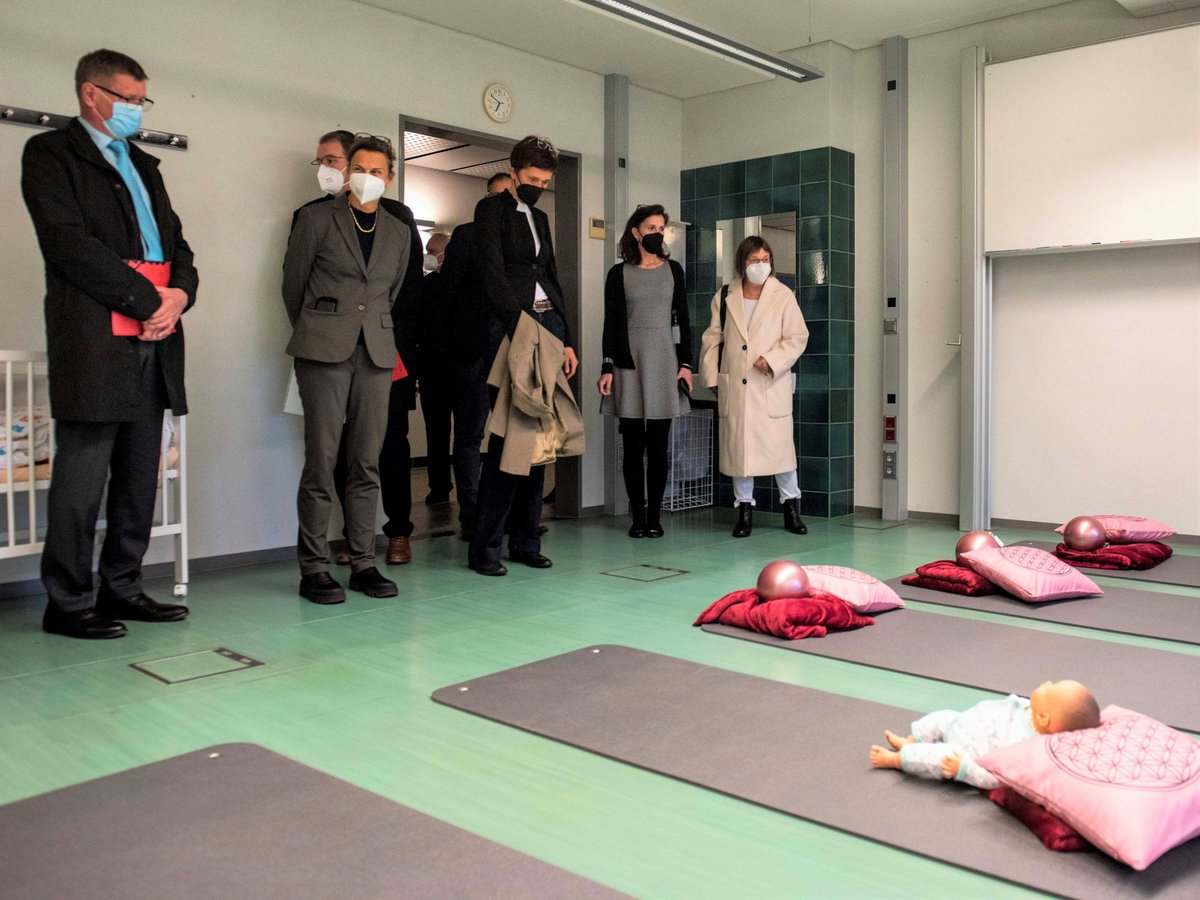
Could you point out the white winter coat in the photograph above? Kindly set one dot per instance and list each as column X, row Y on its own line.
column 755, row 410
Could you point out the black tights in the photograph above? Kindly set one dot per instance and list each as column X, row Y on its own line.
column 645, row 438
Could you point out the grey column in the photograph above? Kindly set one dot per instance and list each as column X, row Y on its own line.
column 616, row 210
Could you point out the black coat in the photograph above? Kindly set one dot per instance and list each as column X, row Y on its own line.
column 87, row 228
column 509, row 265
column 615, row 340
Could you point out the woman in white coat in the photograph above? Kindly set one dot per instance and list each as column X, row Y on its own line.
column 747, row 354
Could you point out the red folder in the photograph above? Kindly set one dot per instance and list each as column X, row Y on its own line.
column 399, row 371
column 159, row 275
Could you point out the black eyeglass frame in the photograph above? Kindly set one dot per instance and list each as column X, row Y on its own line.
column 144, row 102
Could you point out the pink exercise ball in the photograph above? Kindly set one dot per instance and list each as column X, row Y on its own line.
column 974, row 540
column 1084, row 533
column 782, row 579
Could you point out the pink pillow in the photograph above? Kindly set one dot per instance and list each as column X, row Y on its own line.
column 862, row 591
column 1130, row 786
column 1031, row 574
column 1130, row 529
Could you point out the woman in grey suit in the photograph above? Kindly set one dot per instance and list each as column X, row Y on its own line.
column 345, row 263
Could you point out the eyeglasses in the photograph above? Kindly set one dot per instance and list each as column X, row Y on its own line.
column 757, row 259
column 544, row 144
column 144, row 102
column 327, row 161
column 363, row 136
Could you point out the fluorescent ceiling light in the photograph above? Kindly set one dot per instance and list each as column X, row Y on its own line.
column 692, row 34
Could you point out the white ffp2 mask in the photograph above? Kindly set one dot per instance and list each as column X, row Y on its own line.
column 330, row 179
column 758, row 273
column 367, row 188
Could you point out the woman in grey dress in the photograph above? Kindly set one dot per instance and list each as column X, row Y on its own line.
column 647, row 371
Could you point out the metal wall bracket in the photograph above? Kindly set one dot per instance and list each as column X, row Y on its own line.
column 16, row 115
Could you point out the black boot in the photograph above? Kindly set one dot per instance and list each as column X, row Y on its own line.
column 791, row 517
column 745, row 520
column 638, row 528
column 654, row 527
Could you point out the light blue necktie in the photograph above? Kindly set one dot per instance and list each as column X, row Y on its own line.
column 145, row 215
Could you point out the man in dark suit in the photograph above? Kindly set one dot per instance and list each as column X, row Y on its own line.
column 345, row 265
column 466, row 303
column 97, row 203
column 512, row 243
column 395, row 460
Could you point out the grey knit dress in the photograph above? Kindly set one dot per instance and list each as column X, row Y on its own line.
column 650, row 390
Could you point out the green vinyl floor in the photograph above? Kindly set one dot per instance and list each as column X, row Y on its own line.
column 346, row 689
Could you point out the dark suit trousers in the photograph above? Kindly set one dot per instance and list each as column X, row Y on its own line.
column 355, row 391
column 86, row 454
column 471, row 402
column 436, row 408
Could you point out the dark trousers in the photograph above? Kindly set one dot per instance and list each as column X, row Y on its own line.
column 354, row 391
column 125, row 454
column 395, row 465
column 504, row 498
column 437, row 406
column 470, row 404
column 648, row 438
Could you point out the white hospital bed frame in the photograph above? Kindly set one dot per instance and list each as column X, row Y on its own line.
column 24, row 387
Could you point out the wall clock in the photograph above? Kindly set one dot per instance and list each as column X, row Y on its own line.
column 498, row 102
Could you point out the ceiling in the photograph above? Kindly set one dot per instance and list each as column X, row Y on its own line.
column 582, row 36
column 452, row 156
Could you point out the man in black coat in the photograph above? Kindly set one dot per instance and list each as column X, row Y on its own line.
column 98, row 203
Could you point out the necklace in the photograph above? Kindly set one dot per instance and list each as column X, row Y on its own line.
column 358, row 225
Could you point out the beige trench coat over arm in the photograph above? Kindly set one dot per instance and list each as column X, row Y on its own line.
column 755, row 410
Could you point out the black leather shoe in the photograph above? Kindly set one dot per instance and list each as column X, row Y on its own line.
column 437, row 499
column 791, row 517
column 372, row 583
column 139, row 608
column 654, row 527
column 490, row 568
column 85, row 624
column 745, row 520
column 638, row 528
column 533, row 560
column 320, row 587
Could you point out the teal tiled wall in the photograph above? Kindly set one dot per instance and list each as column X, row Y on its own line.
column 818, row 185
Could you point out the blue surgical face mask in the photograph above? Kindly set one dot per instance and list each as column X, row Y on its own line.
column 125, row 121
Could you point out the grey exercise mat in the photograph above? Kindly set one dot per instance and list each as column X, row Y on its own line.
column 1009, row 659
column 237, row 820
column 1180, row 569
column 792, row 749
column 1121, row 609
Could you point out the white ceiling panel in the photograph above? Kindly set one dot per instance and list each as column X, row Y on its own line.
column 578, row 35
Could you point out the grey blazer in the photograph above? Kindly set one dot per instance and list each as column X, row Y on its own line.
column 324, row 261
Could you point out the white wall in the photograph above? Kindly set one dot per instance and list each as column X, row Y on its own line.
column 1097, row 385
column 253, row 85
column 778, row 117
column 446, row 198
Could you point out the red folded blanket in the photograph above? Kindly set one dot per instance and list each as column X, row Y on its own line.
column 1050, row 829
column 1116, row 556
column 947, row 575
column 788, row 617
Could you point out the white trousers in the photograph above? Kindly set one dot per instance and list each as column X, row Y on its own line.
column 787, row 482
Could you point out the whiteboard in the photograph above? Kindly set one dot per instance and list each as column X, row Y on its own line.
column 1094, row 145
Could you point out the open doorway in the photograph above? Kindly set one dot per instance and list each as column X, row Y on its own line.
column 444, row 174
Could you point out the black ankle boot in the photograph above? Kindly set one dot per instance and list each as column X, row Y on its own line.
column 638, row 528
column 654, row 527
column 745, row 520
column 791, row 517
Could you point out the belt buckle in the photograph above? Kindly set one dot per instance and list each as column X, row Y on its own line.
column 542, row 306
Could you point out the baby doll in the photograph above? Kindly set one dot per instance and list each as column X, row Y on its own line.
column 944, row 744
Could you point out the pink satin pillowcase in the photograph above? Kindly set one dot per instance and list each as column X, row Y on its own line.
column 864, row 592
column 1131, row 786
column 1031, row 574
column 1130, row 529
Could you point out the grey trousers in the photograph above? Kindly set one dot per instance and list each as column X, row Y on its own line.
column 354, row 392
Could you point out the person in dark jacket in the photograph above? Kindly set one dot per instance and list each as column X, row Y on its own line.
column 646, row 376
column 98, row 203
column 513, row 247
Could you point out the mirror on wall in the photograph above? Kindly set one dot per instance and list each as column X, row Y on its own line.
column 777, row 229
